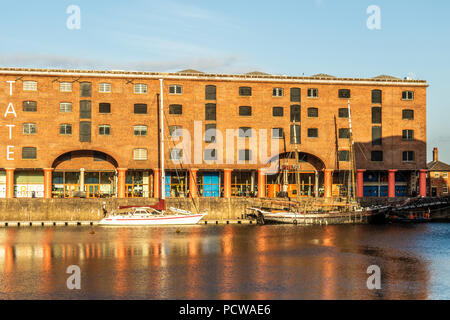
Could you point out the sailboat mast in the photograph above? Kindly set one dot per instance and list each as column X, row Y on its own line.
column 352, row 154
column 297, row 166
column 161, row 121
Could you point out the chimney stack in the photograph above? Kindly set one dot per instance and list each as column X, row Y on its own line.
column 435, row 155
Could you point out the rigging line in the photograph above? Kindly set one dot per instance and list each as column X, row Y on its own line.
column 181, row 164
column 362, row 151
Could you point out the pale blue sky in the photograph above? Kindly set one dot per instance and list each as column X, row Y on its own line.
column 283, row 37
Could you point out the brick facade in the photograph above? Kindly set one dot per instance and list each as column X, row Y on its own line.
column 322, row 151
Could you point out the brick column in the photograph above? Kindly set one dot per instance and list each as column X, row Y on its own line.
column 48, row 183
column 157, row 183
column 121, row 182
column 193, row 192
column 261, row 183
column 328, row 183
column 423, row 182
column 391, row 183
column 360, row 183
column 9, row 183
column 227, row 183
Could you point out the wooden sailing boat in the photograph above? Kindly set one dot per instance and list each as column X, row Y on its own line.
column 347, row 212
column 154, row 214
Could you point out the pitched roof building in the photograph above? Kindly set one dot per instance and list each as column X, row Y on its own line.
column 438, row 181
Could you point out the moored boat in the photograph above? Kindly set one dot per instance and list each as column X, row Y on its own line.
column 150, row 215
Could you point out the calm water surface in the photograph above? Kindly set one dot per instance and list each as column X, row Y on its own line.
column 226, row 262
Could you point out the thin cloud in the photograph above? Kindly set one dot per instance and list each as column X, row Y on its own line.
column 219, row 64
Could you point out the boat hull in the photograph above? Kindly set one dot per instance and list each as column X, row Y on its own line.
column 152, row 221
column 312, row 219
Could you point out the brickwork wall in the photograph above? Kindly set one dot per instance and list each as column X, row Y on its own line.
column 120, row 144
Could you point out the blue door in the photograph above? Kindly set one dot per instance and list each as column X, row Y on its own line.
column 370, row 191
column 167, row 183
column 400, row 191
column 384, row 190
column 211, row 186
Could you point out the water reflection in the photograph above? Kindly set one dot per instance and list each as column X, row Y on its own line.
column 219, row 262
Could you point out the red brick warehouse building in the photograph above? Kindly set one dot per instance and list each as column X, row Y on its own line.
column 64, row 131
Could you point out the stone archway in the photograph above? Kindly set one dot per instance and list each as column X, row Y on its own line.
column 82, row 173
column 307, row 178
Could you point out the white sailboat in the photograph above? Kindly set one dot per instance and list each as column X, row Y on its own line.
column 156, row 214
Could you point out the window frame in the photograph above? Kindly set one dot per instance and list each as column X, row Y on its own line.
column 293, row 113
column 209, row 114
column 242, row 113
column 340, row 115
column 344, row 159
column 31, row 110
column 65, row 126
column 83, row 91
column 406, row 97
column 29, row 125
column 313, row 130
column 209, row 94
column 137, row 156
column 375, row 114
column 140, row 86
column 247, row 155
column 210, row 137
column 277, row 108
column 277, row 92
column 175, row 88
column 344, row 136
column 375, row 99
column 341, row 94
column 104, row 85
column 406, row 136
column 104, row 126
column 29, row 148
column 64, row 110
column 243, row 90
column 311, row 91
column 408, row 159
column 100, row 104
column 405, row 112
column 176, row 109
column 293, row 130
column 294, row 96
column 138, row 128
column 178, row 152
column 316, row 110
column 214, row 158
column 63, row 84
column 174, row 129
column 29, row 85
column 278, row 136
column 379, row 152
column 140, row 104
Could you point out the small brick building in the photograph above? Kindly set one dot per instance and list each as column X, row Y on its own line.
column 438, row 181
column 64, row 131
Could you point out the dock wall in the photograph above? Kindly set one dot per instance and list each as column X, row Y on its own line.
column 91, row 209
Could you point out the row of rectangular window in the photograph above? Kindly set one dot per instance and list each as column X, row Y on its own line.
column 376, row 156
column 210, row 91
column 244, row 155
column 66, row 129
column 407, row 156
column 244, row 132
column 210, row 110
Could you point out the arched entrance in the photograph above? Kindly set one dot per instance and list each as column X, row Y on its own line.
column 84, row 173
column 295, row 175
